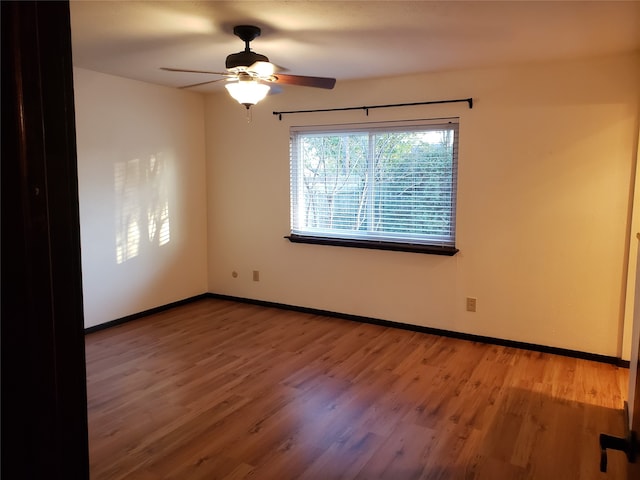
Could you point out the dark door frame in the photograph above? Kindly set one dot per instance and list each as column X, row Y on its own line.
column 44, row 400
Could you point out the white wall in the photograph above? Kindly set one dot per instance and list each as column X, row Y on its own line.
column 141, row 168
column 545, row 177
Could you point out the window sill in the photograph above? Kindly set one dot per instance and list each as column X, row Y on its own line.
column 375, row 245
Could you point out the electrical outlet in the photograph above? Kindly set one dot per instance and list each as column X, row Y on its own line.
column 256, row 275
column 471, row 304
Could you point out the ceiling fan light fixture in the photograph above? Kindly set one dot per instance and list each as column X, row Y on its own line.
column 247, row 92
column 263, row 69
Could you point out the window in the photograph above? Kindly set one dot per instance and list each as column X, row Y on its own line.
column 388, row 186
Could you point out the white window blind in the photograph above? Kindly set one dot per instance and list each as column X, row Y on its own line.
column 392, row 182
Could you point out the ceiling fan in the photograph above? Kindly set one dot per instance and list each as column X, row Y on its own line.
column 249, row 73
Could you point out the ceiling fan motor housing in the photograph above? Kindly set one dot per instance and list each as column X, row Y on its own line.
column 244, row 59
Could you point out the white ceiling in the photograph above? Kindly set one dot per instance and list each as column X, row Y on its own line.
column 345, row 39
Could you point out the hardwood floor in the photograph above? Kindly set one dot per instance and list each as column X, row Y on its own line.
column 223, row 390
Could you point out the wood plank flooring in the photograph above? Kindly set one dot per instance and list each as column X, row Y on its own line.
column 223, row 390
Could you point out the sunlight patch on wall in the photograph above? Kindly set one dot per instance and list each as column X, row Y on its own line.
column 158, row 208
column 126, row 181
column 142, row 206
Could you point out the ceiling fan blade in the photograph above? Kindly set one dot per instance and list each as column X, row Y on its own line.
column 168, row 69
column 318, row 82
column 201, row 83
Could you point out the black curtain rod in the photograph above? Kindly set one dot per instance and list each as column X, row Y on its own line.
column 367, row 108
